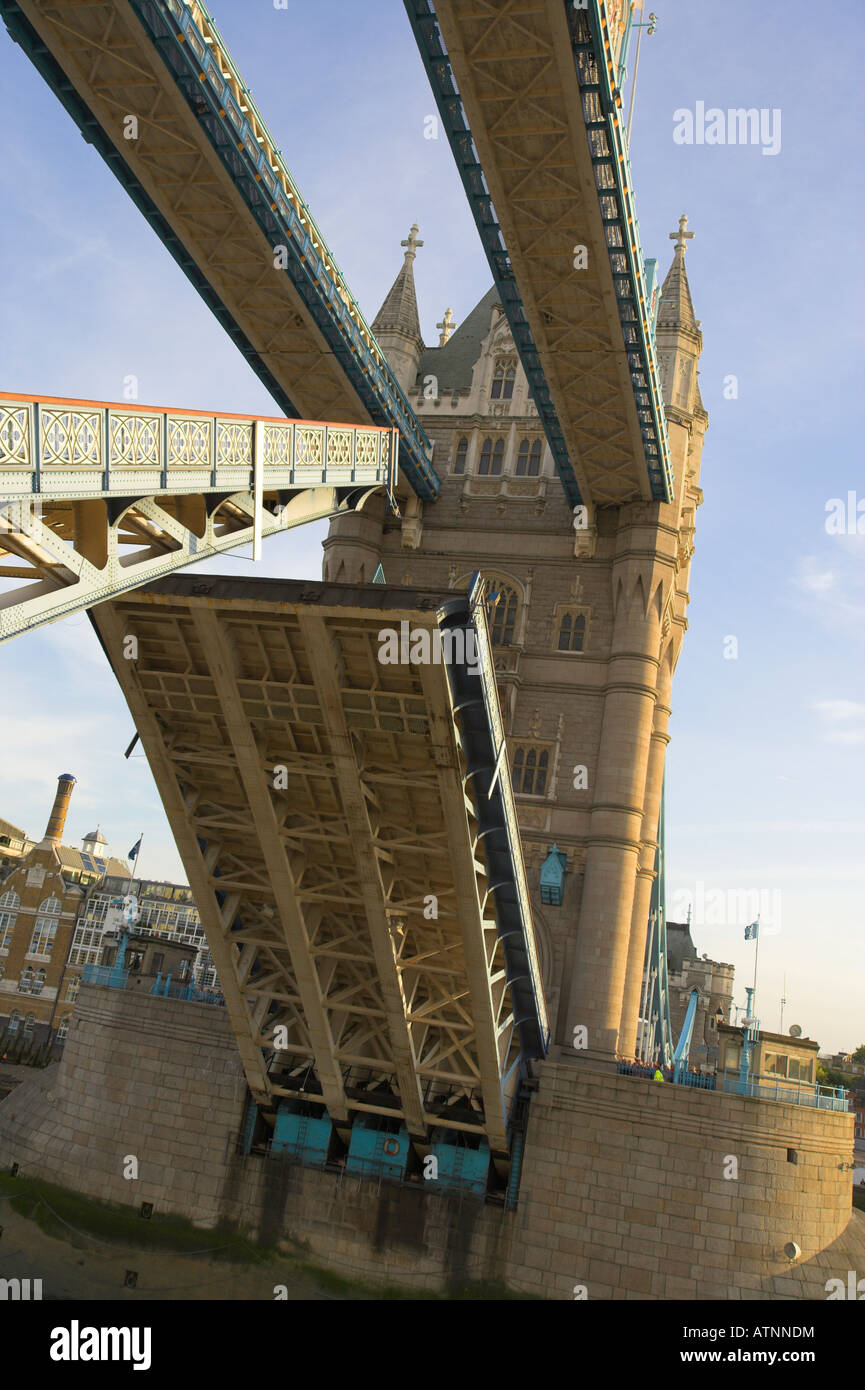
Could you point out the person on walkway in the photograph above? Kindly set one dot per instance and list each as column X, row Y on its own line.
column 659, row 1075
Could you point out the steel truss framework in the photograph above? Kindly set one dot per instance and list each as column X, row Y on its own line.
column 98, row 498
column 202, row 167
column 352, row 851
column 528, row 99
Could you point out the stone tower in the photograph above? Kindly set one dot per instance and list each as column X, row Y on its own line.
column 587, row 628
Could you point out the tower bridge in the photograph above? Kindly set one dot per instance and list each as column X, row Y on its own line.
column 433, row 893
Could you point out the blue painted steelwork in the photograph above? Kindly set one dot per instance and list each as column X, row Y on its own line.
column 475, row 704
column 173, row 32
column 800, row 1093
column 377, row 1153
column 553, row 878
column 114, row 976
column 306, row 1137
column 655, row 1039
column 601, row 102
column 424, row 23
column 760, row 1087
column 249, row 1125
column 750, row 1037
column 683, row 1046
column 612, row 177
column 461, row 1167
column 188, row 992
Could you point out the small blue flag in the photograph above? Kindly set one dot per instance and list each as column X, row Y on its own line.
column 133, row 853
column 751, row 932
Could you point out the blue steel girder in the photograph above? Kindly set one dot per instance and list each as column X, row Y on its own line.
column 599, row 99
column 271, row 198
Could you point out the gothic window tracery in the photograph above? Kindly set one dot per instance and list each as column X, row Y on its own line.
column 570, row 628
column 503, row 381
column 460, row 456
column 502, row 609
column 492, row 456
column 529, row 458
column 530, row 769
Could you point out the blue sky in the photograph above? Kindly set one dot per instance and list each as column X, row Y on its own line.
column 765, row 768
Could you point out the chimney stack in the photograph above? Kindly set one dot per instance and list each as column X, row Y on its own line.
column 57, row 819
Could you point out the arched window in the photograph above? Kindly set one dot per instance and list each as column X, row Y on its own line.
column 72, row 987
column 51, row 905
column 530, row 769
column 572, row 632
column 529, row 458
column 29, row 1025
column 502, row 607
column 503, row 381
column 38, row 982
column 492, row 456
column 9, row 904
column 63, row 1029
column 460, row 456
column 26, row 981
column 14, row 1022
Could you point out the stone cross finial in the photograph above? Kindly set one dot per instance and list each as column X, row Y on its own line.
column 412, row 243
column 447, row 327
column 679, row 237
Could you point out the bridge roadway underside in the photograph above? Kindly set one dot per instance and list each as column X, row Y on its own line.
column 329, row 827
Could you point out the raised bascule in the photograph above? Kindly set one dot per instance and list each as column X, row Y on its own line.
column 433, row 890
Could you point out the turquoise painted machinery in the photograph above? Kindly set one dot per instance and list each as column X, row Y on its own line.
column 305, row 1137
column 655, row 1038
column 459, row 1167
column 374, row 1152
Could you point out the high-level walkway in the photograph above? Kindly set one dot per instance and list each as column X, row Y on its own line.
column 97, row 498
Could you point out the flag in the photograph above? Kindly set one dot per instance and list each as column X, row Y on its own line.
column 751, row 932
column 133, row 853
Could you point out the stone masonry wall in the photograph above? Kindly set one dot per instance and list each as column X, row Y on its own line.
column 623, row 1188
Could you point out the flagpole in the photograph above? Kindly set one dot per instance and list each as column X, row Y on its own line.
column 756, row 955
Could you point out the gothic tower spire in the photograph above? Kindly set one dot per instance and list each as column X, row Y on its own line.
column 397, row 325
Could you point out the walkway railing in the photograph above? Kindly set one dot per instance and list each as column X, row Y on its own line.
column 759, row 1088
column 110, row 975
column 114, row 977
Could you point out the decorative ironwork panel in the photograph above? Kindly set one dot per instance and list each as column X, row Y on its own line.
column 368, row 444
column 233, row 444
column 309, row 446
column 71, row 438
column 15, row 436
column 134, row 441
column 189, row 442
column 278, row 441
column 339, row 447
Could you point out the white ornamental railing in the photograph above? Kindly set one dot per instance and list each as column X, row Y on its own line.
column 92, row 448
